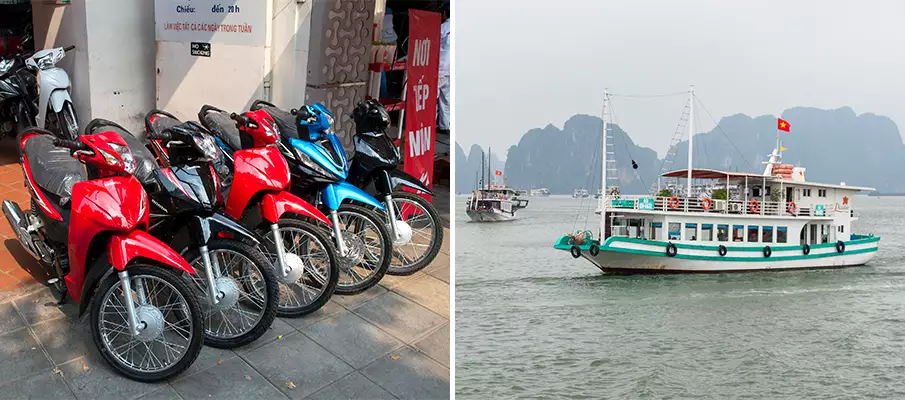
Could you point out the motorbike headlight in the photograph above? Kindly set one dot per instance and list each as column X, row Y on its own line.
column 306, row 160
column 6, row 65
column 205, row 144
column 124, row 153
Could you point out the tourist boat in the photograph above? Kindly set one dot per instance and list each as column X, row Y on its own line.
column 580, row 193
column 494, row 203
column 540, row 192
column 599, row 193
column 771, row 221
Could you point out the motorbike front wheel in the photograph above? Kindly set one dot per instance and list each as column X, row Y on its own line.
column 368, row 249
column 422, row 235
column 313, row 251
column 248, row 289
column 172, row 333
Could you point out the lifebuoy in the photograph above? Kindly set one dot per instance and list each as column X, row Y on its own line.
column 840, row 247
column 722, row 250
column 706, row 203
column 595, row 249
column 576, row 252
column 671, row 250
column 793, row 208
column 674, row 202
column 768, row 251
column 806, row 249
column 754, row 206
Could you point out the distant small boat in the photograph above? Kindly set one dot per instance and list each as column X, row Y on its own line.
column 540, row 192
column 580, row 193
column 494, row 203
column 599, row 193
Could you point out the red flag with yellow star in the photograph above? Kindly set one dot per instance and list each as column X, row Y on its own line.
column 783, row 125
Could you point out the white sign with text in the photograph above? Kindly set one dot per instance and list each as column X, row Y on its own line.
column 238, row 22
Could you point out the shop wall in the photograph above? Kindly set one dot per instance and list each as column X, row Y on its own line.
column 121, row 60
column 291, row 35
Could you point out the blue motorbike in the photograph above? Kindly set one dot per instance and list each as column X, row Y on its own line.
column 319, row 169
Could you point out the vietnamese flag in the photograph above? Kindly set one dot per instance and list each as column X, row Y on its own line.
column 783, row 125
column 499, row 173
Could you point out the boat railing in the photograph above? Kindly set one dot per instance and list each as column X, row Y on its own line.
column 697, row 205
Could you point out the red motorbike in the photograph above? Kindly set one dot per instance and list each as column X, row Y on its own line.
column 304, row 260
column 89, row 229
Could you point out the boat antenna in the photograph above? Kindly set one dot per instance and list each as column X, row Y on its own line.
column 489, row 175
column 482, row 170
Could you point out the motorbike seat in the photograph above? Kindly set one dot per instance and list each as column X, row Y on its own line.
column 53, row 168
column 145, row 163
column 285, row 121
column 223, row 127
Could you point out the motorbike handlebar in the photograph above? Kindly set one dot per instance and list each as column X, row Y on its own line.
column 67, row 48
column 241, row 119
column 70, row 144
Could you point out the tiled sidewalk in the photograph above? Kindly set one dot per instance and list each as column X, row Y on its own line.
column 389, row 342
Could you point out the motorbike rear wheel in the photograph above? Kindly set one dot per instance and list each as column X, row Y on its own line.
column 169, row 302
column 321, row 266
column 424, row 222
column 251, row 293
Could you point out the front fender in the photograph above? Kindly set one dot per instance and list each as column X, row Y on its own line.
column 51, row 82
column 399, row 178
column 335, row 193
column 124, row 247
column 205, row 227
column 274, row 205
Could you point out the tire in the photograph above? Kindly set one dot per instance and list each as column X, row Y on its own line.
column 722, row 250
column 576, row 252
column 317, row 233
column 595, row 249
column 396, row 267
column 270, row 288
column 193, row 347
column 671, row 250
column 767, row 252
column 840, row 247
column 806, row 249
column 385, row 247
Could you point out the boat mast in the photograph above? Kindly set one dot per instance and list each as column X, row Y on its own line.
column 603, row 167
column 489, row 175
column 690, row 136
column 482, row 170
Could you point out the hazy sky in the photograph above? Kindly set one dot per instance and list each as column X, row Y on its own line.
column 521, row 64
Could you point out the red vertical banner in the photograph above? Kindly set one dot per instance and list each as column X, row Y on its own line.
column 421, row 95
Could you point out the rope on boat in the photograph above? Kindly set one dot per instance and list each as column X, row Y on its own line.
column 646, row 96
column 625, row 145
column 724, row 133
column 588, row 182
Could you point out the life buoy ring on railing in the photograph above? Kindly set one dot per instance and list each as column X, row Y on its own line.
column 674, row 202
column 706, row 203
column 768, row 251
column 754, row 206
column 576, row 252
column 793, row 208
column 722, row 250
column 806, row 249
column 671, row 250
column 840, row 247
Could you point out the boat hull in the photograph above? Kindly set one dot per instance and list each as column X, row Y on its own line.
column 489, row 216
column 624, row 255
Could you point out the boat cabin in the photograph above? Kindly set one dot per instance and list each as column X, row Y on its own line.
column 777, row 207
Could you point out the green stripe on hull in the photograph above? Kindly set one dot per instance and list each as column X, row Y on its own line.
column 563, row 244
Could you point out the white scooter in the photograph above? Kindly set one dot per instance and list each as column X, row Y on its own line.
column 53, row 93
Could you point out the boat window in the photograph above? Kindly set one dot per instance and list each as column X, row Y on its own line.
column 722, row 233
column 706, row 232
column 752, row 234
column 619, row 227
column 813, row 234
column 768, row 191
column 738, row 233
column 767, row 234
column 675, row 230
column 655, row 228
column 691, row 231
column 781, row 234
column 755, row 192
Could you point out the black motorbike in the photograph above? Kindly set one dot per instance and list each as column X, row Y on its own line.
column 417, row 232
column 234, row 280
column 18, row 95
